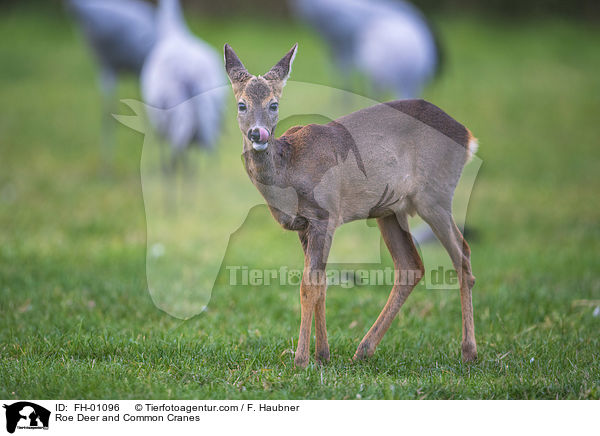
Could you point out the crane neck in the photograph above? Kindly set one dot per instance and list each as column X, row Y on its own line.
column 170, row 18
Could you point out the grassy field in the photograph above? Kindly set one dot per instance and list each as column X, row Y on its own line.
column 77, row 320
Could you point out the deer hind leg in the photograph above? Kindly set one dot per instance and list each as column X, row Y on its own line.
column 316, row 242
column 408, row 272
column 442, row 223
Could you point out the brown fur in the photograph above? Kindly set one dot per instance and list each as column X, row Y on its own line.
column 386, row 161
column 434, row 117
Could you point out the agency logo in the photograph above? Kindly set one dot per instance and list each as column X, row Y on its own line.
column 26, row 415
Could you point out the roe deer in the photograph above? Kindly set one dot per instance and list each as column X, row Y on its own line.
column 385, row 162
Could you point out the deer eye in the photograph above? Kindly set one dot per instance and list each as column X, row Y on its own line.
column 242, row 106
column 274, row 106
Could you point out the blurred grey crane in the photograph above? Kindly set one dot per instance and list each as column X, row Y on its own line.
column 389, row 41
column 121, row 34
column 182, row 83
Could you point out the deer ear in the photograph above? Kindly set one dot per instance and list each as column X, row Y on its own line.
column 282, row 69
column 236, row 71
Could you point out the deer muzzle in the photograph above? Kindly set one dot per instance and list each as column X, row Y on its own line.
column 259, row 137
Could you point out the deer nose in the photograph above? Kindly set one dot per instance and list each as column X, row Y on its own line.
column 254, row 135
column 258, row 135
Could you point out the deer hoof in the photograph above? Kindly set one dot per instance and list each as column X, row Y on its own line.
column 363, row 351
column 301, row 361
column 469, row 352
column 322, row 357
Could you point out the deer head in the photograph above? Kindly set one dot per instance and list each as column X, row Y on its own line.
column 257, row 97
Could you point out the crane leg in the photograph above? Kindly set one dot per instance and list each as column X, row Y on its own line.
column 108, row 82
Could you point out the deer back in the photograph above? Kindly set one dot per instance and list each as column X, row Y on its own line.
column 372, row 162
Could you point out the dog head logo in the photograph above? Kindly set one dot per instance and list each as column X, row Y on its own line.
column 26, row 415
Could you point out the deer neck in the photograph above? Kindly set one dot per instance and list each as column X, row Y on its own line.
column 265, row 167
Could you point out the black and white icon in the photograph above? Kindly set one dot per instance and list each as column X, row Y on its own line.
column 26, row 415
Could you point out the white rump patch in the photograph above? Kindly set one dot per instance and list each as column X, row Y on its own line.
column 472, row 148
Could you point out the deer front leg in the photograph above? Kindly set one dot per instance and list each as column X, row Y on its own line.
column 316, row 242
column 308, row 300
column 321, row 345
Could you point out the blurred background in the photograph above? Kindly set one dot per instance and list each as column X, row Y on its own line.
column 522, row 75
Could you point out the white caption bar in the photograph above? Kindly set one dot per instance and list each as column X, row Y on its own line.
column 296, row 417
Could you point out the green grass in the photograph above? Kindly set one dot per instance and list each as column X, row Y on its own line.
column 76, row 318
